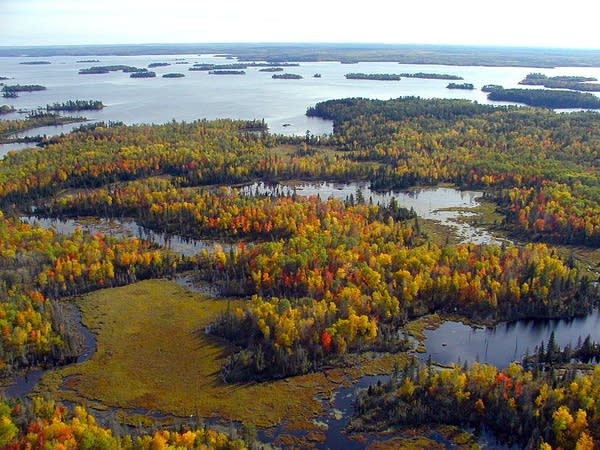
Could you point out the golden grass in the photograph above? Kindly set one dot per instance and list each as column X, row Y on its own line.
column 416, row 328
column 152, row 354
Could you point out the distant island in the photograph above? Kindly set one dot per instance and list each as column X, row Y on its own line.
column 576, row 83
column 455, row 55
column 76, row 105
column 547, row 98
column 143, row 74
column 173, row 75
column 491, row 87
column 272, row 64
column 271, row 69
column 209, row 67
column 11, row 91
column 158, row 64
column 317, row 75
column 88, row 61
column 35, row 63
column 286, row 76
column 6, row 109
column 431, row 76
column 227, row 72
column 107, row 69
column 466, row 86
column 373, row 76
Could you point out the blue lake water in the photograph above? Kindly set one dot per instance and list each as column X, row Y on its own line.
column 282, row 103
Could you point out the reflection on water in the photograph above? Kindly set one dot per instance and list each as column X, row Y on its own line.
column 428, row 203
column 506, row 342
column 127, row 228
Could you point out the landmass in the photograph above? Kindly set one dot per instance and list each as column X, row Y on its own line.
column 467, row 86
column 76, row 105
column 577, row 83
column 431, row 76
column 35, row 63
column 287, row 76
column 404, row 54
column 373, row 76
column 227, row 72
column 143, row 74
column 547, row 98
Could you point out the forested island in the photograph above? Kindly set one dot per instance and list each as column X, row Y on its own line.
column 271, row 69
column 158, row 64
column 302, row 284
column 431, row 76
column 173, row 75
column 227, row 72
column 547, row 98
column 76, row 105
column 108, row 69
column 87, row 61
column 491, row 87
column 577, row 83
column 12, row 91
column 7, row 109
column 373, row 76
column 286, row 76
column 467, row 86
column 143, row 74
column 35, row 63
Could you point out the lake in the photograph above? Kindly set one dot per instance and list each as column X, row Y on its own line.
column 282, row 103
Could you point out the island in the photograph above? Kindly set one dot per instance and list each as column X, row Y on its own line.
column 286, row 76
column 272, row 64
column 88, row 61
column 576, row 83
column 373, row 76
column 158, row 64
column 143, row 74
column 431, row 76
column 35, row 63
column 491, row 87
column 227, row 72
column 201, row 67
column 7, row 109
column 467, row 86
column 107, row 69
column 11, row 91
column 173, row 75
column 76, row 105
column 271, row 69
column 317, row 75
column 547, row 98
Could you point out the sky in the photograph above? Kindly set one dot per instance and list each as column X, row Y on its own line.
column 464, row 22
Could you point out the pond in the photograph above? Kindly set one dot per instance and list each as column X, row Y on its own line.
column 445, row 205
column 126, row 228
column 506, row 342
